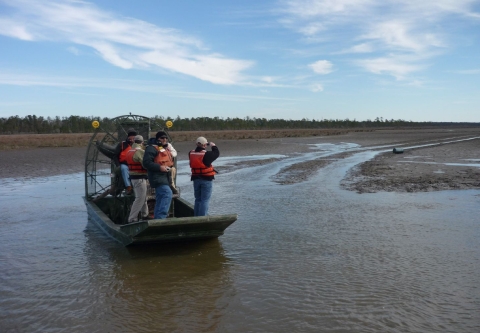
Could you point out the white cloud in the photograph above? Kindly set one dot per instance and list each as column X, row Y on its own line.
column 212, row 68
column 312, row 29
column 435, row 8
column 73, row 50
column 359, row 48
column 111, row 54
column 317, row 87
column 395, row 66
column 322, row 67
column 400, row 35
column 124, row 42
column 312, row 8
column 424, row 12
column 12, row 29
column 98, row 84
column 362, row 48
column 391, row 28
column 394, row 34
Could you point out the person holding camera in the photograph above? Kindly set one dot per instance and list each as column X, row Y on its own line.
column 155, row 160
column 202, row 173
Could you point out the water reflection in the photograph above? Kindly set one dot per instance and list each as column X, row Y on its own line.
column 159, row 287
column 476, row 165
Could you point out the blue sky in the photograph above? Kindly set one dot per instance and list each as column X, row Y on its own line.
column 291, row 59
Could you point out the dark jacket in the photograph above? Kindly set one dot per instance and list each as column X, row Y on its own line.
column 208, row 159
column 155, row 176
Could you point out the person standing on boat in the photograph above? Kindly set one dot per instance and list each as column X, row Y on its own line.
column 166, row 155
column 158, row 174
column 119, row 158
column 203, row 174
column 138, row 177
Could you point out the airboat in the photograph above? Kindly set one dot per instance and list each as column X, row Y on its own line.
column 108, row 204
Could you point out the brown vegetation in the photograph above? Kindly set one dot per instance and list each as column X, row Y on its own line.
column 27, row 141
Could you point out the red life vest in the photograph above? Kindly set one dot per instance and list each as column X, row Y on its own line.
column 123, row 153
column 164, row 157
column 134, row 166
column 197, row 166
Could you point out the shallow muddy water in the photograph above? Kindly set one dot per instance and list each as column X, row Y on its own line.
column 305, row 257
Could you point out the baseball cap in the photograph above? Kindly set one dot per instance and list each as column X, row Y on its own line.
column 201, row 140
column 160, row 134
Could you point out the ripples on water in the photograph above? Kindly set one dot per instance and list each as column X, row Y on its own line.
column 306, row 257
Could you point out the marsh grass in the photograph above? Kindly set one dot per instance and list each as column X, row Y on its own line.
column 28, row 141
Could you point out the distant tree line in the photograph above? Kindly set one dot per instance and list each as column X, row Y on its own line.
column 79, row 124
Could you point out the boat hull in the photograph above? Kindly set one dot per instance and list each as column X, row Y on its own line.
column 173, row 229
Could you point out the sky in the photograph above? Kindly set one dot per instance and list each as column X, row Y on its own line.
column 276, row 59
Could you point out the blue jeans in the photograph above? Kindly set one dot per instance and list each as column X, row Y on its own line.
column 163, row 196
column 203, row 191
column 125, row 175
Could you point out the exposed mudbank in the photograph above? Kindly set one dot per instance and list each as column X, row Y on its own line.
column 451, row 165
column 302, row 171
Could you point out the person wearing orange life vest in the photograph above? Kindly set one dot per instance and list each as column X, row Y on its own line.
column 165, row 156
column 203, row 174
column 158, row 173
column 138, row 177
column 119, row 158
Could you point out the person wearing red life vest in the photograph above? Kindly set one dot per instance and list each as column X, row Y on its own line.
column 119, row 158
column 158, row 173
column 138, row 177
column 203, row 174
column 165, row 156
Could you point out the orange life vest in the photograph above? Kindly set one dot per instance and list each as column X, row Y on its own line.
column 123, row 153
column 134, row 166
column 164, row 157
column 197, row 166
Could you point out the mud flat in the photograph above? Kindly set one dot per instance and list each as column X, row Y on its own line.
column 445, row 165
column 449, row 166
